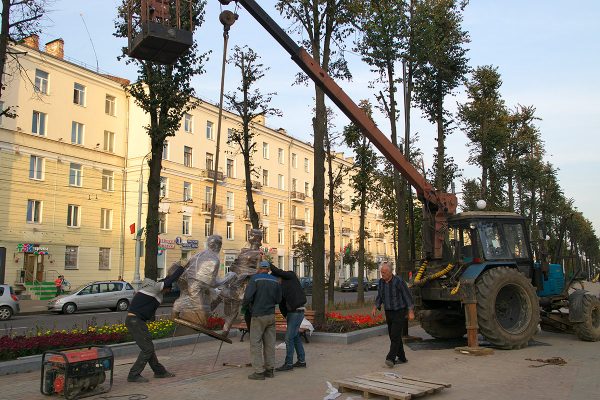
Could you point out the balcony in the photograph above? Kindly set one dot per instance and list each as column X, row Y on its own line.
column 346, row 208
column 256, row 185
column 346, row 231
column 379, row 216
column 247, row 215
column 297, row 196
column 297, row 223
column 379, row 236
column 209, row 174
column 207, row 206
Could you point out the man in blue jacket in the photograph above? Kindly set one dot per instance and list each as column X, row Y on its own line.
column 292, row 308
column 393, row 294
column 262, row 294
column 142, row 309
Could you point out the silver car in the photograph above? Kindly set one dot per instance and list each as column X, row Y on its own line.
column 115, row 295
column 9, row 302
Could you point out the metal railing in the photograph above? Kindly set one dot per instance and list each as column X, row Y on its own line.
column 207, row 206
column 297, row 196
column 210, row 174
column 256, row 185
column 297, row 222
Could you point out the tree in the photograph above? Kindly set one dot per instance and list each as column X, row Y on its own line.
column 363, row 183
column 483, row 118
column 440, row 64
column 165, row 93
column 252, row 105
column 382, row 50
column 326, row 24
column 20, row 19
column 303, row 250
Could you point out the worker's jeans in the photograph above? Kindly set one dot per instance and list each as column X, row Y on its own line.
column 139, row 331
column 395, row 322
column 292, row 337
column 262, row 342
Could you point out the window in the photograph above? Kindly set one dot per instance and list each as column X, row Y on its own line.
column 265, row 177
column 187, row 123
column 294, row 237
column 279, row 210
column 280, row 156
column 307, row 215
column 280, row 185
column 109, row 141
column 296, row 265
column 207, row 227
column 306, row 165
column 76, row 132
column 230, row 166
column 187, row 156
column 229, row 230
column 106, row 218
column 229, row 200
column 71, row 253
column 41, row 81
column 209, row 130
column 210, row 163
column 165, row 152
column 164, row 186
column 294, row 160
column 294, row 184
column 34, row 211
column 280, row 235
column 187, row 191
column 306, row 189
column 108, row 180
column 229, row 259
column 280, row 262
column 265, row 234
column 293, row 211
column 79, row 94
column 36, row 168
column 265, row 204
column 73, row 216
column 104, row 258
column 208, row 195
column 265, row 150
column 38, row 123
column 75, row 174
column 162, row 223
column 231, row 134
column 109, row 105
column 187, row 225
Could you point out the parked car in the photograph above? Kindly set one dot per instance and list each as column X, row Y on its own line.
column 115, row 295
column 307, row 284
column 373, row 284
column 9, row 302
column 351, row 285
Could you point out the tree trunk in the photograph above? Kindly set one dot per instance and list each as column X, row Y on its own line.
column 360, row 299
column 254, row 219
column 331, row 282
column 407, row 75
column 150, row 261
column 4, row 41
column 510, row 191
column 441, row 154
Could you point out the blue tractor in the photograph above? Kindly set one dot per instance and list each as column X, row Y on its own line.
column 487, row 256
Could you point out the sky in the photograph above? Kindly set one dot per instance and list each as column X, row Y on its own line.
column 547, row 53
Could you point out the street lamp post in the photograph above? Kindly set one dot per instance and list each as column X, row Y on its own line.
column 138, row 235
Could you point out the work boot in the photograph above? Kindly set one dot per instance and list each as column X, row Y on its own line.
column 299, row 364
column 165, row 374
column 284, row 367
column 389, row 363
column 257, row 376
column 137, row 378
column 400, row 360
column 269, row 373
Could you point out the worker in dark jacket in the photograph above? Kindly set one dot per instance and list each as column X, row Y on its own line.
column 393, row 294
column 142, row 309
column 262, row 294
column 292, row 308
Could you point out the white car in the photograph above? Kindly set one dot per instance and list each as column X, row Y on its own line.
column 115, row 295
column 9, row 302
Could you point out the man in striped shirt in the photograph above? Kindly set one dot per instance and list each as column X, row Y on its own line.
column 393, row 294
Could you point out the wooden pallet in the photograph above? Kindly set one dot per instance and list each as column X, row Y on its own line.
column 390, row 385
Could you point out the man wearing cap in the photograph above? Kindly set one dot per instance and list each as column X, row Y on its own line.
column 262, row 294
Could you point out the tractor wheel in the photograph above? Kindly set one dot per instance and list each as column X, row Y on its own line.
column 452, row 328
column 589, row 329
column 508, row 310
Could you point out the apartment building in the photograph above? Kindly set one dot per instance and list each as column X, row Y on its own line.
column 75, row 156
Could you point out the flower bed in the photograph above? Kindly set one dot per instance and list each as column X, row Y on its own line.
column 12, row 347
column 338, row 323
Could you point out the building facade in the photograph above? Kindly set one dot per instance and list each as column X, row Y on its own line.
column 74, row 157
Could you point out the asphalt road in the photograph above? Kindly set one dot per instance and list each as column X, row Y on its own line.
column 21, row 323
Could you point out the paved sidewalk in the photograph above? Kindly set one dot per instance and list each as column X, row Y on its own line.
column 503, row 375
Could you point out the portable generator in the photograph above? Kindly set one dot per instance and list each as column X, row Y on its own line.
column 77, row 372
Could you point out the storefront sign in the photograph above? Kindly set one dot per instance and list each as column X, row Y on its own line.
column 266, row 250
column 166, row 243
column 187, row 244
column 31, row 248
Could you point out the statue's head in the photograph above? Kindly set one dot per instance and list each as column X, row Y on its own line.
column 255, row 238
column 214, row 243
